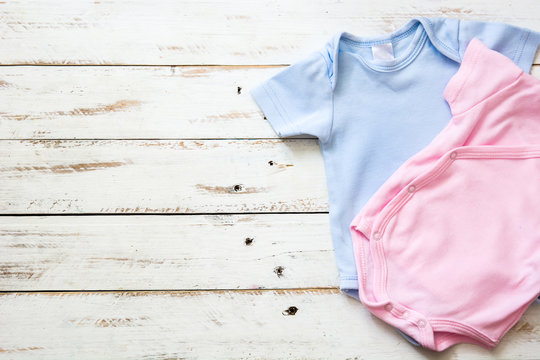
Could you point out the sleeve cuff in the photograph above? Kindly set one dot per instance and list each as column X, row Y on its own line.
column 527, row 53
column 456, row 82
column 274, row 113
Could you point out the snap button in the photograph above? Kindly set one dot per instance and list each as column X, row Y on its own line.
column 453, row 155
column 411, row 188
column 388, row 307
column 377, row 236
column 421, row 324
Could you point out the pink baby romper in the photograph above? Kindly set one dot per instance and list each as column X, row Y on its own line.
column 448, row 249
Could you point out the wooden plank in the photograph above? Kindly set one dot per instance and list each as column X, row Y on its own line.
column 219, row 325
column 66, row 102
column 185, row 102
column 241, row 32
column 139, row 176
column 166, row 252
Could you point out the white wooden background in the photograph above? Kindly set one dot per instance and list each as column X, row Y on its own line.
column 148, row 209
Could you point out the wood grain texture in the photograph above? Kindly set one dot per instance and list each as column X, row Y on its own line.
column 104, row 102
column 218, row 176
column 239, row 32
column 166, row 252
column 220, row 325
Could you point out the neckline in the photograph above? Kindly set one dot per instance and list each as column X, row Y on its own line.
column 419, row 38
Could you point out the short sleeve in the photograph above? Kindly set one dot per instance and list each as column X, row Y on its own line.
column 516, row 43
column 483, row 72
column 298, row 99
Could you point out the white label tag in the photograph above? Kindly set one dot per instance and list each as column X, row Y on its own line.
column 383, row 52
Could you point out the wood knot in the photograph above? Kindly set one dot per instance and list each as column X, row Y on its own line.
column 237, row 188
column 249, row 241
column 291, row 311
column 279, row 270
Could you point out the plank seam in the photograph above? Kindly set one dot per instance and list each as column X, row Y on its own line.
column 44, row 291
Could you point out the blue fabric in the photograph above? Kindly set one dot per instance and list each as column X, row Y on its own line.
column 371, row 115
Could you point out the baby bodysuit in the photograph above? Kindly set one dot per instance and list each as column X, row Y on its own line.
column 373, row 103
column 448, row 248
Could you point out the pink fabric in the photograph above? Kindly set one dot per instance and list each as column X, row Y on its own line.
column 448, row 249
